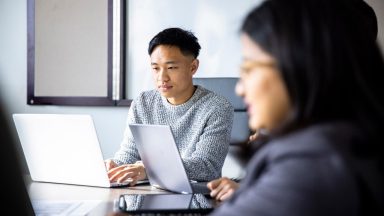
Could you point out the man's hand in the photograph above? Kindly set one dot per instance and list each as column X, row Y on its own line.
column 127, row 172
column 109, row 164
column 222, row 188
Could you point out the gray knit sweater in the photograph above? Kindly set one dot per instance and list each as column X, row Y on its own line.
column 201, row 127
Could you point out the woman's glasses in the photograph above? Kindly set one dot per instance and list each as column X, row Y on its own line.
column 248, row 66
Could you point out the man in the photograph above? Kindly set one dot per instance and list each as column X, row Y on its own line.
column 201, row 120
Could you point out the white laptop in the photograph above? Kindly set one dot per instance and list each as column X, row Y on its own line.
column 62, row 148
column 162, row 160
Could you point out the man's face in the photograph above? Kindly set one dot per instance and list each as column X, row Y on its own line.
column 172, row 72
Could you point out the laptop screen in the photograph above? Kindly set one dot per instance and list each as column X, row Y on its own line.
column 161, row 157
column 166, row 203
column 59, row 147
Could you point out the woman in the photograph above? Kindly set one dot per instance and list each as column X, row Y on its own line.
column 312, row 77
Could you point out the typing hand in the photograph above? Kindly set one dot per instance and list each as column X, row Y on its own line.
column 127, row 172
column 109, row 164
column 222, row 188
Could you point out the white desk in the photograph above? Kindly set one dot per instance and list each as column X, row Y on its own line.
column 64, row 192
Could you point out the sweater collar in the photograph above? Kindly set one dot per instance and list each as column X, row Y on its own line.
column 195, row 97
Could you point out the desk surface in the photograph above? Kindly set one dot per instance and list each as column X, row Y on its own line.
column 66, row 192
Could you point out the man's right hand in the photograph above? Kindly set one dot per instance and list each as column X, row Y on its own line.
column 110, row 164
column 125, row 172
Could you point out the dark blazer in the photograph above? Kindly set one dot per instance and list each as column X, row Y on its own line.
column 309, row 172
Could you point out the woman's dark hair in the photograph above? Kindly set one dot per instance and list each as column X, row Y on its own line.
column 368, row 15
column 328, row 58
column 185, row 40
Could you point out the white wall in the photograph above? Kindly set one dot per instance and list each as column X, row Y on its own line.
column 215, row 23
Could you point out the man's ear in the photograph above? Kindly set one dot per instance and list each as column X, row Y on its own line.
column 194, row 66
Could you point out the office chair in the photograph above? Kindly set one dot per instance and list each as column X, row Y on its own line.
column 234, row 165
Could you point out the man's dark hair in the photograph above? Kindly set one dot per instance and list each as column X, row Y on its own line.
column 183, row 39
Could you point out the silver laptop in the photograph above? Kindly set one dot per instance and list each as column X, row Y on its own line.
column 162, row 160
column 62, row 148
